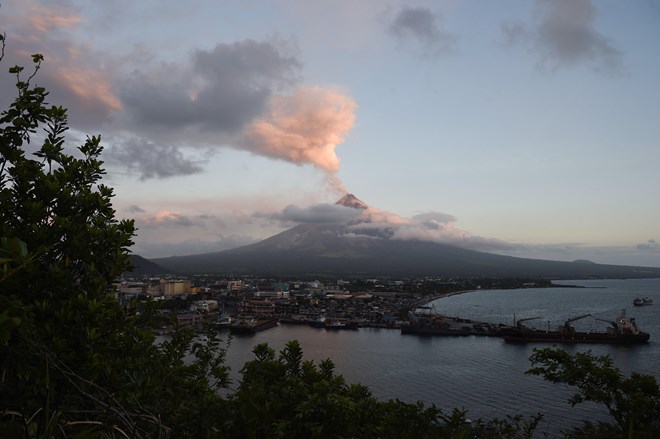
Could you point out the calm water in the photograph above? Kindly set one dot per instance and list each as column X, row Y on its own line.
column 481, row 374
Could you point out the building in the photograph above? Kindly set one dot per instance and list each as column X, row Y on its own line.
column 204, row 305
column 175, row 287
column 257, row 308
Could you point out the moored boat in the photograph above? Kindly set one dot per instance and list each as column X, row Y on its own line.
column 642, row 301
column 340, row 324
column 223, row 322
column 623, row 330
column 424, row 321
column 251, row 326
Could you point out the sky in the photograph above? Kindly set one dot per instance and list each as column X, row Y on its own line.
column 525, row 128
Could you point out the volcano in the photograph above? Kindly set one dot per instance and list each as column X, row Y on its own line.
column 356, row 250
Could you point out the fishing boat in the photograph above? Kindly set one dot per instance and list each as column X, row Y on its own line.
column 622, row 330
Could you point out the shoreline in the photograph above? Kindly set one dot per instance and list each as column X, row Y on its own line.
column 427, row 300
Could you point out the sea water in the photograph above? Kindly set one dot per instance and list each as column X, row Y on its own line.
column 483, row 375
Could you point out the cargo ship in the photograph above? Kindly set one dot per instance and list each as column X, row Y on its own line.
column 622, row 330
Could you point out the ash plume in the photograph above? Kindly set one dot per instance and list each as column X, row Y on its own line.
column 305, row 127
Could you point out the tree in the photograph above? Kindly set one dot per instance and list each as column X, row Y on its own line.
column 286, row 397
column 72, row 361
column 282, row 396
column 632, row 402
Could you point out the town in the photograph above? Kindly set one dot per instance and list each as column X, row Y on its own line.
column 249, row 304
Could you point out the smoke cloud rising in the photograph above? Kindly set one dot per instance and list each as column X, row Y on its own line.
column 305, row 127
column 168, row 118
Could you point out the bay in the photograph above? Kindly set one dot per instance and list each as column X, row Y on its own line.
column 483, row 375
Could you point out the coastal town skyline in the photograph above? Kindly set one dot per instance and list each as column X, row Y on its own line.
column 519, row 128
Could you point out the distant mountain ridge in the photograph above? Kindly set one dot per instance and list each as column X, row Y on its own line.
column 144, row 267
column 333, row 250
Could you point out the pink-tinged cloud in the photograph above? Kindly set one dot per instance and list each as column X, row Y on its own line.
column 167, row 218
column 71, row 70
column 90, row 86
column 45, row 18
column 305, row 127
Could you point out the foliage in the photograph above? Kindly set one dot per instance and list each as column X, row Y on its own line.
column 282, row 396
column 73, row 363
column 633, row 402
column 288, row 397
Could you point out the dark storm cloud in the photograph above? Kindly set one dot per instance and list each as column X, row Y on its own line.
column 316, row 214
column 151, row 160
column 565, row 34
column 219, row 91
column 423, row 27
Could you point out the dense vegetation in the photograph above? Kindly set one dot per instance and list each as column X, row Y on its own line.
column 74, row 364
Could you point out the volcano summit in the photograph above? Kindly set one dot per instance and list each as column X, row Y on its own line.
column 375, row 243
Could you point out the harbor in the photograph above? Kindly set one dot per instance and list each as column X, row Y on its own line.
column 477, row 373
column 416, row 316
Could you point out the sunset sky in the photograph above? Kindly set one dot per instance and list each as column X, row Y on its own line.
column 527, row 128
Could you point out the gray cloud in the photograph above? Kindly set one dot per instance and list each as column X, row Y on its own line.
column 75, row 76
column 424, row 28
column 515, row 33
column 191, row 246
column 434, row 220
column 316, row 214
column 238, row 95
column 651, row 244
column 218, row 91
column 168, row 218
column 135, row 209
column 244, row 95
column 151, row 160
column 565, row 34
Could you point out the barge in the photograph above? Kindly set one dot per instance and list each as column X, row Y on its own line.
column 251, row 326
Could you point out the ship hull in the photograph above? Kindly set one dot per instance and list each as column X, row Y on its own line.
column 252, row 328
column 578, row 337
column 432, row 331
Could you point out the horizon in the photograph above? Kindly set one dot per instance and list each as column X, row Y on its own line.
column 524, row 129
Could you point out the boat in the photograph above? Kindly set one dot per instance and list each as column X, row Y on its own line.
column 339, row 324
column 323, row 322
column 643, row 301
column 251, row 325
column 318, row 322
column 425, row 322
column 295, row 320
column 622, row 330
column 223, row 322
